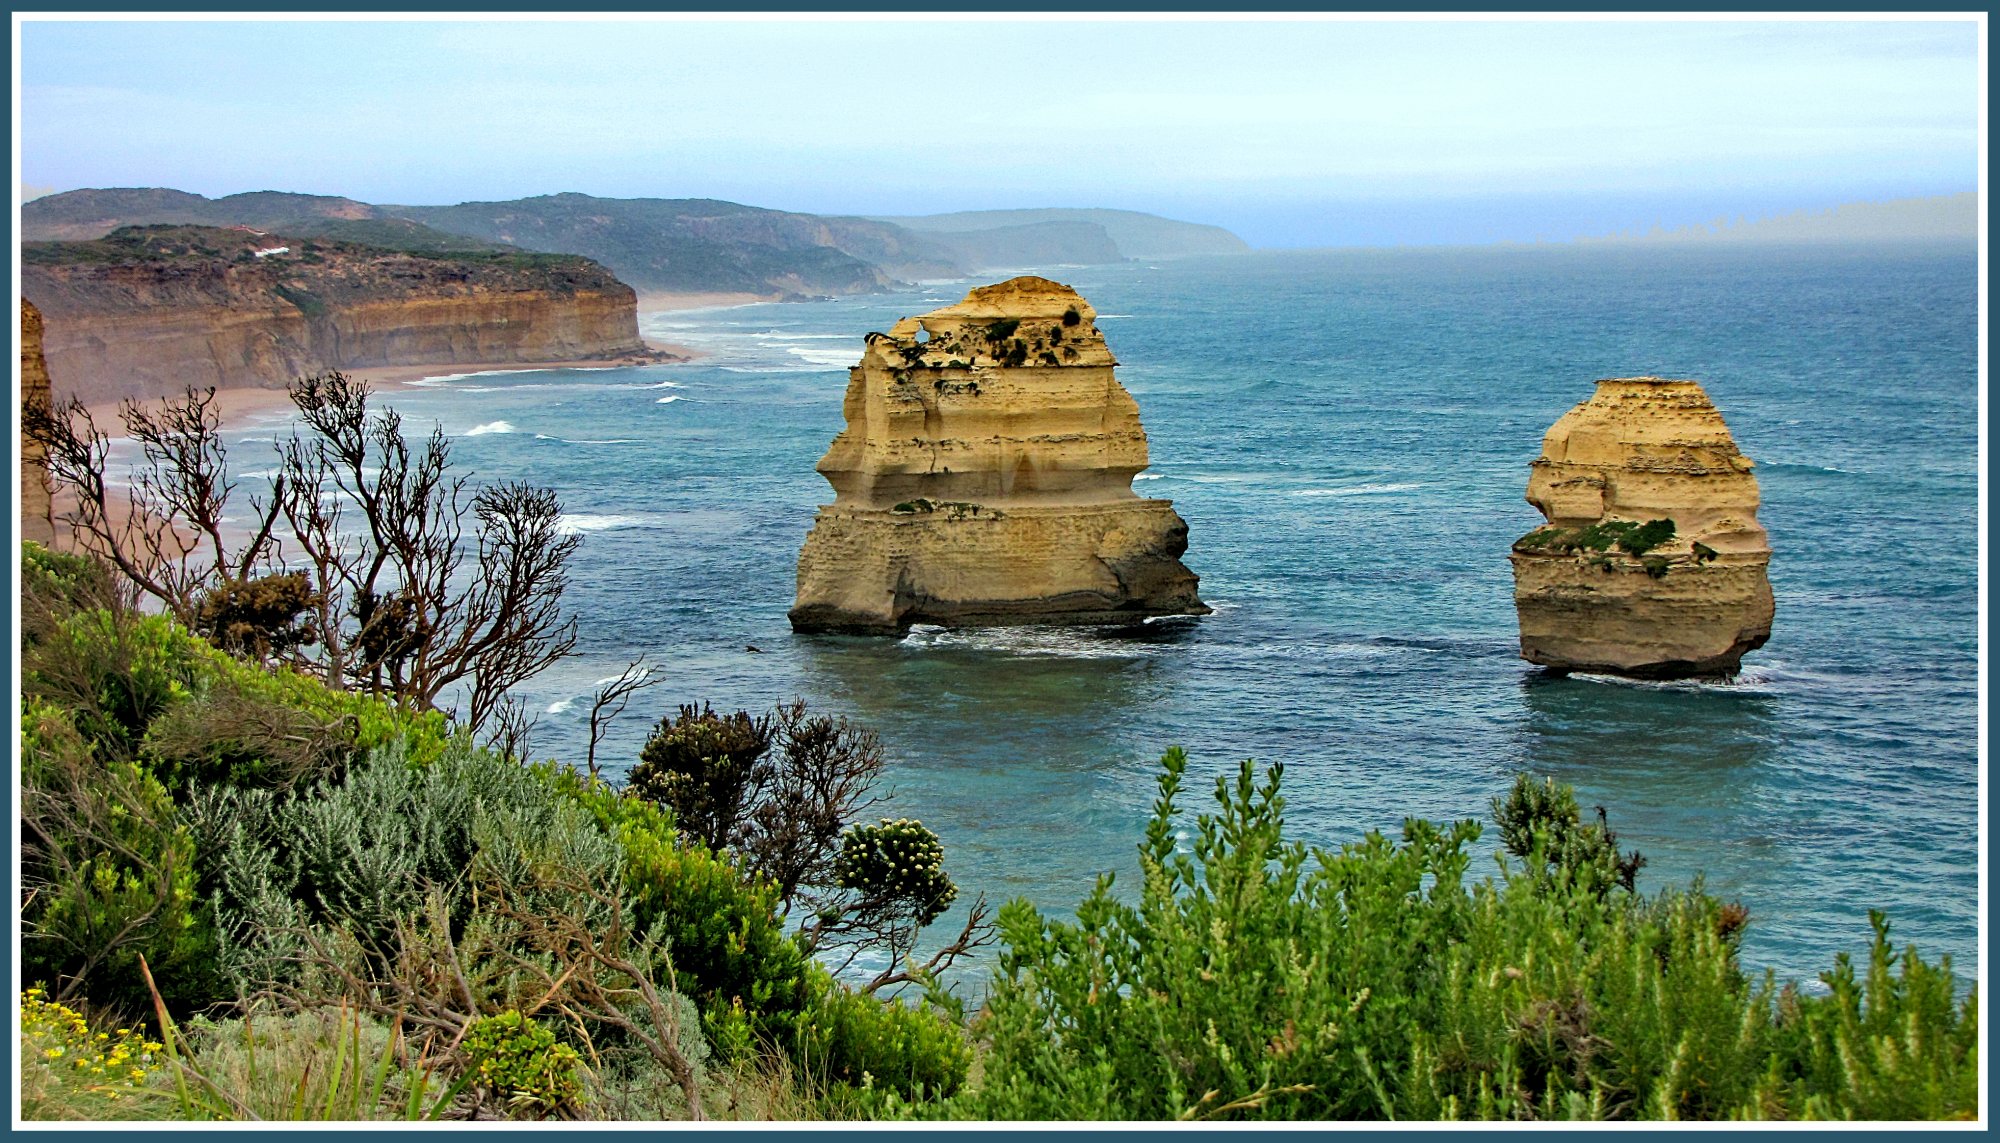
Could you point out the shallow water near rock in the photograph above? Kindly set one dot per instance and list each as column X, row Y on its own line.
column 1347, row 436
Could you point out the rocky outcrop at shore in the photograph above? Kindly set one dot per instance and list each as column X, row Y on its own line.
column 1652, row 564
column 37, row 512
column 148, row 311
column 985, row 478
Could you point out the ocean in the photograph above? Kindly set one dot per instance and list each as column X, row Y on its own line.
column 1347, row 435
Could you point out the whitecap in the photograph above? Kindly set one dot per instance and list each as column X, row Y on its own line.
column 1148, row 476
column 1357, row 490
column 577, row 523
column 489, row 428
column 824, row 356
column 667, row 400
column 561, row 706
column 661, row 385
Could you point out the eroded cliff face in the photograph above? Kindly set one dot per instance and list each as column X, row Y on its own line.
column 1652, row 564
column 149, row 311
column 37, row 513
column 985, row 477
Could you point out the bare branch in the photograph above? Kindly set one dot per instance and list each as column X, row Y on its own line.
column 610, row 701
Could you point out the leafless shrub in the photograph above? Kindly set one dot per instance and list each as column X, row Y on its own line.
column 369, row 583
column 164, row 533
column 610, row 701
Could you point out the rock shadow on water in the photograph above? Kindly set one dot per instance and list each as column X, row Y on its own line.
column 1649, row 736
column 1689, row 773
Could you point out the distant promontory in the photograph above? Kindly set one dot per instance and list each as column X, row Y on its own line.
column 149, row 310
column 665, row 245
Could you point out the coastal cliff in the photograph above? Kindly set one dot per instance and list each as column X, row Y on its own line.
column 37, row 512
column 147, row 311
column 1652, row 564
column 985, row 477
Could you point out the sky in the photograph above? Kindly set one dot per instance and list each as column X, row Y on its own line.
column 1290, row 132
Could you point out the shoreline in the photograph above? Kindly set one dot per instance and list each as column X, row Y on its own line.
column 240, row 406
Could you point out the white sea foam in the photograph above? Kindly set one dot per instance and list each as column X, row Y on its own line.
column 1357, row 490
column 442, row 378
column 560, row 706
column 1054, row 642
column 661, row 385
column 489, row 427
column 667, row 400
column 1149, row 476
column 824, row 356
column 577, row 523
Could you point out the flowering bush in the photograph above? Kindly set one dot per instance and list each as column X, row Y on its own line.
column 63, row 1062
column 899, row 860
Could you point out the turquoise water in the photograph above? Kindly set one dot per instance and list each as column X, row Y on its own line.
column 1347, row 436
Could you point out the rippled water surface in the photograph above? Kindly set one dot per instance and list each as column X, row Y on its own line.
column 1348, row 436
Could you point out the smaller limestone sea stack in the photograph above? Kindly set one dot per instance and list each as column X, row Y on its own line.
column 985, row 478
column 1652, row 564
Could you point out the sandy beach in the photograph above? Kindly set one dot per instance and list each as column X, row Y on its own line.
column 240, row 405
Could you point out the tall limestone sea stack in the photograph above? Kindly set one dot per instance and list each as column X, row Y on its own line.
column 1652, row 564
column 37, row 511
column 985, row 477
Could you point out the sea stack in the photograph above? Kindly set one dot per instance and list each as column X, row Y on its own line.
column 985, row 478
column 1652, row 564
column 37, row 512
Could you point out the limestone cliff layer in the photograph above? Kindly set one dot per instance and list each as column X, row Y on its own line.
column 985, row 477
column 1652, row 563
column 37, row 522
column 149, row 311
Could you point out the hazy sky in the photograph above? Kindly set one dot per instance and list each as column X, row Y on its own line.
column 1290, row 133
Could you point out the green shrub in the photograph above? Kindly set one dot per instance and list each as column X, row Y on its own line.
column 1892, row 1045
column 719, row 922
column 1377, row 983
column 849, row 1038
column 115, row 672
column 1541, row 823
column 57, row 584
column 700, row 765
column 520, row 1061
column 258, row 617
column 109, row 874
column 357, row 856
